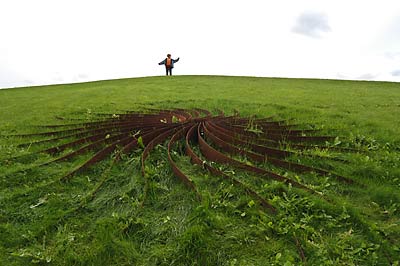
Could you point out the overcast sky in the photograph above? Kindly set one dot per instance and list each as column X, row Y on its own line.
column 64, row 41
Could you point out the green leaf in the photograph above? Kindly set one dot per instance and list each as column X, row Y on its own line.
column 251, row 203
column 140, row 142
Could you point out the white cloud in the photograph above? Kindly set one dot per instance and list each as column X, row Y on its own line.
column 396, row 73
column 392, row 55
column 368, row 76
column 312, row 24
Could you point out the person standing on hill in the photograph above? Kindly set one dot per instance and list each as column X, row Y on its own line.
column 169, row 64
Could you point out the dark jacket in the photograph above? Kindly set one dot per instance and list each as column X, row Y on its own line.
column 173, row 61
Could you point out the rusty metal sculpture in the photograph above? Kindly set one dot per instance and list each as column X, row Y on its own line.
column 220, row 139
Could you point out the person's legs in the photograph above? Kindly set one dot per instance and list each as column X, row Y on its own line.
column 166, row 71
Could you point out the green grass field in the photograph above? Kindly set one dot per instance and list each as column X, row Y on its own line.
column 40, row 222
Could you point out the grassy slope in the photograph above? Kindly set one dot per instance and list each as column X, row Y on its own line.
column 174, row 228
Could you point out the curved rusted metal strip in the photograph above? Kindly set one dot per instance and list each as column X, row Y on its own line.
column 291, row 166
column 246, row 136
column 85, row 132
column 226, row 131
column 266, row 123
column 212, row 154
column 153, row 113
column 106, row 151
column 96, row 158
column 127, row 148
column 39, row 142
column 97, row 142
column 195, row 113
column 266, row 119
column 139, row 122
column 106, row 130
column 91, row 146
column 194, row 159
column 270, row 152
column 243, row 126
column 157, row 140
column 205, row 113
column 245, row 120
column 114, row 119
column 78, row 142
column 84, row 149
column 219, row 132
column 60, row 148
column 227, row 147
column 180, row 114
column 300, row 249
column 272, row 127
column 100, row 155
column 147, row 137
column 301, row 139
column 62, row 132
column 184, row 113
column 191, row 134
column 250, row 191
column 240, row 122
column 178, row 172
column 284, row 136
column 249, row 137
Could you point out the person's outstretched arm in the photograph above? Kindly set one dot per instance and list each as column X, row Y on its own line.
column 162, row 62
column 175, row 60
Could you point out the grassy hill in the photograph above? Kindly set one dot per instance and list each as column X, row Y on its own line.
column 41, row 221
